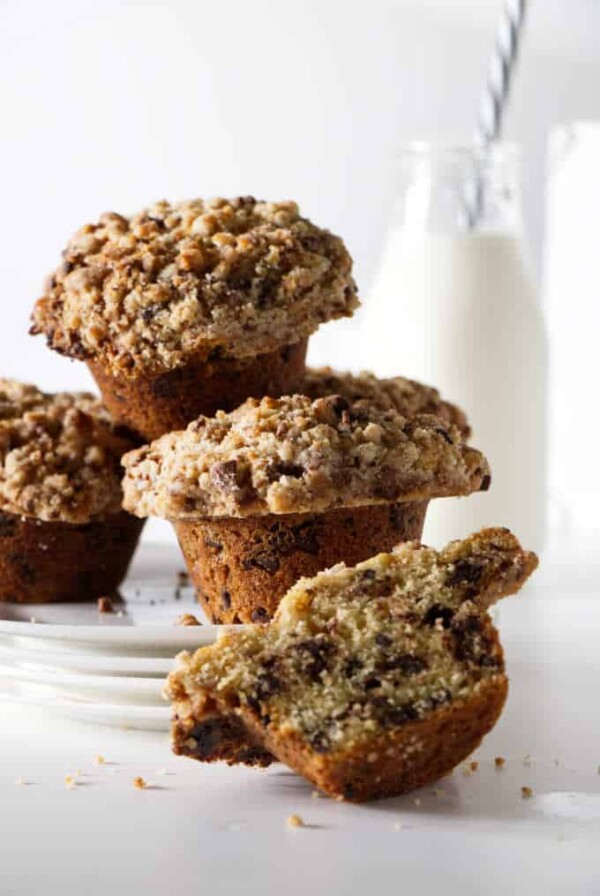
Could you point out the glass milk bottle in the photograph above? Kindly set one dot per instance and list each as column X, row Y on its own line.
column 454, row 304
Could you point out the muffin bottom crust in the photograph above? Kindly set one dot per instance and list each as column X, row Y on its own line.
column 166, row 402
column 241, row 568
column 44, row 562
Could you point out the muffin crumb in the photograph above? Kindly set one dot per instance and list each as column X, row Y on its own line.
column 526, row 792
column 187, row 619
column 139, row 783
column 499, row 761
column 105, row 605
column 99, row 760
column 294, row 821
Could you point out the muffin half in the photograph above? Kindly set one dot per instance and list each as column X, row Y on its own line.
column 370, row 681
column 63, row 532
column 191, row 307
column 282, row 488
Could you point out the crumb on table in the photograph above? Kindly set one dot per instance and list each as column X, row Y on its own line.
column 99, row 760
column 474, row 766
column 294, row 821
column 139, row 783
column 526, row 792
column 499, row 761
column 70, row 782
column 105, row 605
column 187, row 619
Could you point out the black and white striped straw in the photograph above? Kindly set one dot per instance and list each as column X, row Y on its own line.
column 497, row 90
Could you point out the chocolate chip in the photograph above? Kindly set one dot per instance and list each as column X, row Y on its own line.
column 368, row 574
column 320, row 742
column 485, row 483
column 383, row 640
column 438, row 611
column 225, row 599
column 406, row 663
column 264, row 560
column 372, row 683
column 386, row 483
column 260, row 615
column 467, row 571
column 398, row 715
column 352, row 666
column 277, row 469
column 8, row 525
column 232, row 479
column 209, row 735
column 444, row 434
column 315, row 655
column 210, row 543
column 267, row 684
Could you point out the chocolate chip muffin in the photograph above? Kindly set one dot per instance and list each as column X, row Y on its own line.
column 370, row 681
column 408, row 397
column 191, row 307
column 63, row 532
column 282, row 488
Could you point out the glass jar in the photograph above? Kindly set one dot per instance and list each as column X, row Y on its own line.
column 454, row 304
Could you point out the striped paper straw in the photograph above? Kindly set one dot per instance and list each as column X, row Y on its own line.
column 497, row 90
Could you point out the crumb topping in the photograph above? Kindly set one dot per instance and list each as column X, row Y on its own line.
column 294, row 455
column 357, row 651
column 59, row 455
column 408, row 397
column 176, row 280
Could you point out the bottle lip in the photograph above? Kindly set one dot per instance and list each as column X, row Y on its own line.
column 453, row 153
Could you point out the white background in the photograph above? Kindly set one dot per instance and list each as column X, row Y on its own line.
column 109, row 105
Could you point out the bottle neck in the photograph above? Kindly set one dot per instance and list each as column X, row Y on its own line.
column 462, row 190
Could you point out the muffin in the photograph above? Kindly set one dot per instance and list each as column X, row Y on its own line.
column 188, row 308
column 370, row 681
column 63, row 532
column 282, row 488
column 408, row 397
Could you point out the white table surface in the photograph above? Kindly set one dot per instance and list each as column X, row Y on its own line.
column 213, row 829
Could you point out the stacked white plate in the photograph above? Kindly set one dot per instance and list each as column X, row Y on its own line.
column 108, row 668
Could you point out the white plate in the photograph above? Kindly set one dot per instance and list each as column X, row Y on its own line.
column 84, row 663
column 152, row 598
column 150, row 718
column 150, row 640
column 92, row 688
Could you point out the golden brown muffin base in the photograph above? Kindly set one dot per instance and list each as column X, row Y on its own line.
column 155, row 405
column 241, row 568
column 43, row 562
column 384, row 766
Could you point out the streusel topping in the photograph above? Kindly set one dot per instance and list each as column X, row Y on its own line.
column 238, row 277
column 59, row 455
column 408, row 397
column 294, row 455
column 356, row 651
